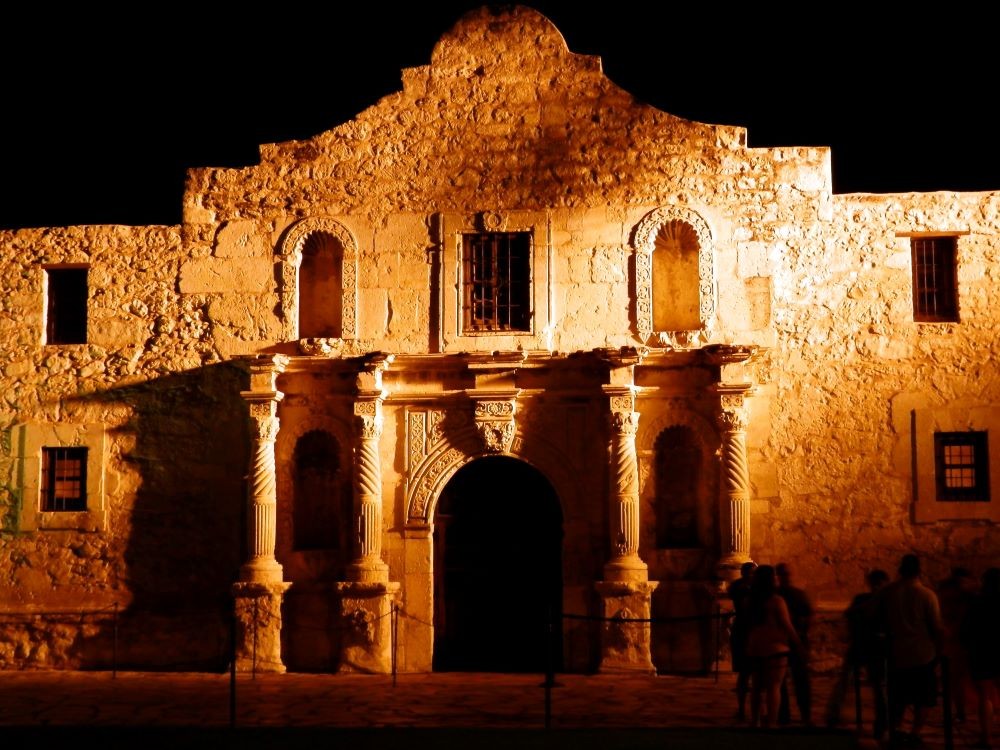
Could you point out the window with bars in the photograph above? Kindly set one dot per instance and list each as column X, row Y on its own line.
column 66, row 306
column 935, row 287
column 64, row 479
column 962, row 466
column 496, row 282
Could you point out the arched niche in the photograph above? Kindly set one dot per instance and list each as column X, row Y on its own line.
column 674, row 272
column 319, row 280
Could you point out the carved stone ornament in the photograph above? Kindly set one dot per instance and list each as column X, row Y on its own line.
column 496, row 436
column 492, row 221
column 370, row 427
column 622, row 403
column 624, row 423
column 495, row 424
column 733, row 420
column 324, row 347
column 645, row 242
column 265, row 428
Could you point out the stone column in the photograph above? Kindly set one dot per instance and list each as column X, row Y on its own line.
column 735, row 485
column 367, row 596
column 626, row 589
column 732, row 388
column 260, row 589
column 623, row 492
column 367, row 564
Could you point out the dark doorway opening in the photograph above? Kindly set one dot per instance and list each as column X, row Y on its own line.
column 498, row 570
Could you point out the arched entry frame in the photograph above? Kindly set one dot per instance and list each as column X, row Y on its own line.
column 428, row 479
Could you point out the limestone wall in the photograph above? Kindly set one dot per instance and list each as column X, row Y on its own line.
column 834, row 476
column 164, row 429
column 504, row 119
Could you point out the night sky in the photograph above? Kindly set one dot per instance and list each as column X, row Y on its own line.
column 101, row 112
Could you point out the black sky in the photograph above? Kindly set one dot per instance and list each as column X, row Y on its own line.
column 102, row 110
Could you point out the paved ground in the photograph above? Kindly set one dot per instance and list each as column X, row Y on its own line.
column 143, row 711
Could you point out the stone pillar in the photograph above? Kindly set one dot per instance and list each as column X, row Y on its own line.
column 626, row 589
column 732, row 388
column 261, row 588
column 623, row 492
column 735, row 485
column 367, row 564
column 367, row 596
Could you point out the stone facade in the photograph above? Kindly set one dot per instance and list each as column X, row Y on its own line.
column 286, row 416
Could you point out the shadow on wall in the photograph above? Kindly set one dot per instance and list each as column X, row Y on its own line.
column 183, row 537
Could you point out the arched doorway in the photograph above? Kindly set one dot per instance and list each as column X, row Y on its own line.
column 498, row 570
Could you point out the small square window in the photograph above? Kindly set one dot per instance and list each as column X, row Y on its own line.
column 962, row 466
column 935, row 282
column 64, row 479
column 66, row 306
column 496, row 282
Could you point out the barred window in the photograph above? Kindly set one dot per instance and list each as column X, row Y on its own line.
column 962, row 466
column 935, row 289
column 496, row 282
column 64, row 479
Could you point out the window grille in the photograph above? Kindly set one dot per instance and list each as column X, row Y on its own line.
column 935, row 297
column 496, row 282
column 64, row 479
column 962, row 466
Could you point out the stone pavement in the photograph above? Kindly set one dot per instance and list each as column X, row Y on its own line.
column 444, row 709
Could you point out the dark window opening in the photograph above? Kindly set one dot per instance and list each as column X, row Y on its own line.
column 935, row 284
column 64, row 479
column 66, row 313
column 496, row 282
column 319, row 497
column 962, row 466
column 678, row 477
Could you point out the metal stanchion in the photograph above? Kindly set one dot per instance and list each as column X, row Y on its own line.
column 718, row 639
column 232, row 674
column 114, row 645
column 395, row 639
column 856, row 669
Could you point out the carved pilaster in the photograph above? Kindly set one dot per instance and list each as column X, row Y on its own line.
column 366, row 624
column 258, row 626
column 262, row 399
column 626, row 632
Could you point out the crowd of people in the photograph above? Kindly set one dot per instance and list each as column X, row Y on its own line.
column 903, row 637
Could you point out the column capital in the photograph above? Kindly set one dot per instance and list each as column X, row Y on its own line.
column 263, row 370
column 621, row 399
column 369, row 376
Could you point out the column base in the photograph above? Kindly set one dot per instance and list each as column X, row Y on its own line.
column 728, row 568
column 366, row 620
column 629, row 569
column 258, row 626
column 261, row 570
column 625, row 646
column 367, row 571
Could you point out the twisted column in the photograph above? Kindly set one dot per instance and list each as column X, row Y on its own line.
column 367, row 564
column 735, row 482
column 623, row 494
column 261, row 565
